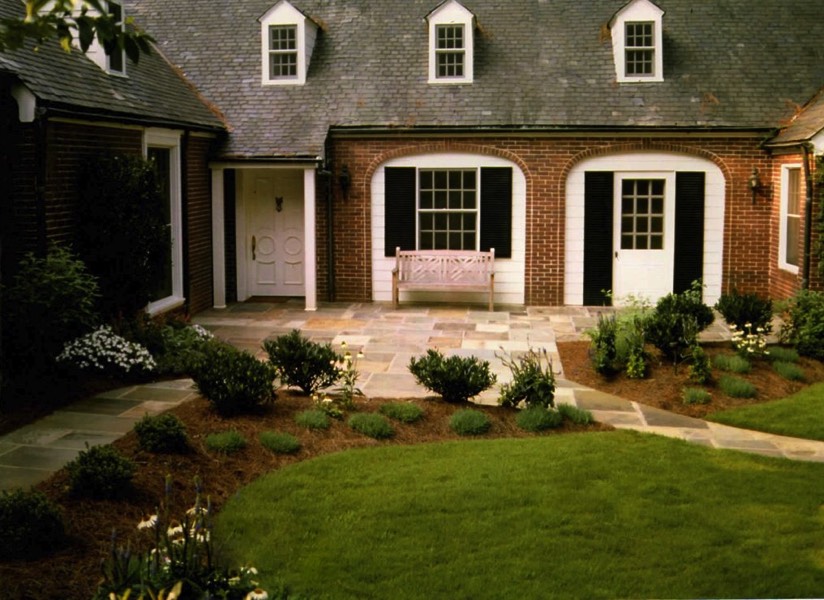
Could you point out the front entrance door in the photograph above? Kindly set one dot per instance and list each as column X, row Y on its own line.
column 643, row 236
column 274, row 227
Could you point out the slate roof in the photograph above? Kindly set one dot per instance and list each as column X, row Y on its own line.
column 153, row 93
column 540, row 65
column 806, row 125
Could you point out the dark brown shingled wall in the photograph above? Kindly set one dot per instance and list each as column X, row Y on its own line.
column 198, row 223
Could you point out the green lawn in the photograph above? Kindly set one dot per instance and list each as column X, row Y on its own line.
column 800, row 415
column 604, row 515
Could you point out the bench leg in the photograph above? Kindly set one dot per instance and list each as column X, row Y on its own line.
column 492, row 293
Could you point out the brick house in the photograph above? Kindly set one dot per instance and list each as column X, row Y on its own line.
column 613, row 145
column 59, row 110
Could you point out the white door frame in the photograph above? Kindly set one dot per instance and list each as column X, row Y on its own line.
column 218, row 230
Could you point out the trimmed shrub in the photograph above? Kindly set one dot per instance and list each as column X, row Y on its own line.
column 31, row 525
column 677, row 320
column 742, row 310
column 576, row 415
column 699, row 369
column 405, row 412
column 692, row 395
column 789, row 370
column 732, row 363
column 280, row 442
column 783, row 354
column 468, row 421
column 538, row 418
column 603, row 350
column 313, row 419
column 304, row 364
column 101, row 472
column 804, row 323
column 226, row 442
column 50, row 301
column 162, row 433
column 372, row 425
column 736, row 387
column 533, row 381
column 123, row 236
column 456, row 379
column 232, row 380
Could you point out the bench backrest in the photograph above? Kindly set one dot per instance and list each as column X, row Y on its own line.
column 445, row 266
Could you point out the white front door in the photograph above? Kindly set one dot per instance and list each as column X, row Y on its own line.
column 275, row 236
column 644, row 238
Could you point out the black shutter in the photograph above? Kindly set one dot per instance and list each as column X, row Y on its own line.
column 399, row 192
column 598, row 243
column 689, row 230
column 496, row 210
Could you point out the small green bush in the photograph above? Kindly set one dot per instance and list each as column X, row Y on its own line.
column 280, row 442
column 232, row 380
column 576, row 415
column 789, row 370
column 372, row 425
column 468, row 421
column 782, row 354
column 699, row 369
column 677, row 320
column 538, row 418
column 533, row 381
column 31, row 525
column 162, row 433
column 101, row 472
column 302, row 363
column 746, row 309
column 804, row 323
column 603, row 350
column 456, row 379
column 732, row 363
column 405, row 412
column 226, row 442
column 692, row 395
column 736, row 387
column 313, row 419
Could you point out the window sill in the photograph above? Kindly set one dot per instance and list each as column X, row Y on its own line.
column 164, row 305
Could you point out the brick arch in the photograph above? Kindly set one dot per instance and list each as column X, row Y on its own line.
column 645, row 146
column 445, row 147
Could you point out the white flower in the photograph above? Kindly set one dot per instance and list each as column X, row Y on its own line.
column 257, row 594
column 148, row 522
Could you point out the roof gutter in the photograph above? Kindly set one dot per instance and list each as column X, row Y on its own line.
column 121, row 119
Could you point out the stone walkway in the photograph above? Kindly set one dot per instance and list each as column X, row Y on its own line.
column 388, row 338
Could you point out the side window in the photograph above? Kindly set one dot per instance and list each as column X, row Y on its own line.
column 790, row 234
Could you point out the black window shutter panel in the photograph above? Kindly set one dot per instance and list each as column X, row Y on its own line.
column 598, row 244
column 496, row 210
column 399, row 193
column 689, row 230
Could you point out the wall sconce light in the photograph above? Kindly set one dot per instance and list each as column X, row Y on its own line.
column 345, row 181
column 754, row 182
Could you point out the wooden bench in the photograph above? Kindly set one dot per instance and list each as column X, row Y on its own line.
column 447, row 270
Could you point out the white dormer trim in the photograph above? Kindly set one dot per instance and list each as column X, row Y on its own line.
column 284, row 15
column 97, row 53
column 451, row 14
column 637, row 12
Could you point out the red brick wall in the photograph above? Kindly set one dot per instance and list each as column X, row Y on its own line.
column 748, row 231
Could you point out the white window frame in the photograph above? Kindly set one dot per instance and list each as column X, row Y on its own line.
column 451, row 14
column 121, row 53
column 637, row 11
column 96, row 53
column 784, row 214
column 476, row 211
column 170, row 140
column 283, row 14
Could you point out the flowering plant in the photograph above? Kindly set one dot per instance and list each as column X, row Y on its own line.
column 180, row 562
column 104, row 350
column 349, row 376
column 749, row 341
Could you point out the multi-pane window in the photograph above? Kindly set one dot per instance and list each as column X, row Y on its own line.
column 450, row 51
column 639, row 44
column 448, row 209
column 283, row 52
column 115, row 56
column 642, row 214
column 793, row 217
column 161, row 158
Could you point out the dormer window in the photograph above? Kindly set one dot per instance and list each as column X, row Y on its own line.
column 637, row 42
column 451, row 30
column 112, row 61
column 287, row 40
